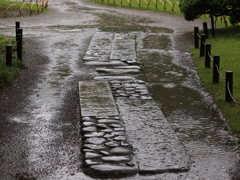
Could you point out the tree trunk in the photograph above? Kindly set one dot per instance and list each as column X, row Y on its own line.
column 212, row 25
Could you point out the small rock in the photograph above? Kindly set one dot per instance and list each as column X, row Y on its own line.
column 88, row 123
column 88, row 150
column 112, row 144
column 89, row 129
column 107, row 130
column 90, row 155
column 104, row 153
column 95, row 140
column 108, row 136
column 146, row 97
column 118, row 129
column 107, row 121
column 86, row 118
column 120, row 151
column 94, row 134
column 102, row 126
column 90, row 162
column 120, row 138
column 93, row 146
column 115, row 125
column 115, row 159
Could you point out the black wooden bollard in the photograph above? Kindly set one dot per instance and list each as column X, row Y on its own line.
column 229, row 86
column 216, row 65
column 196, row 38
column 212, row 25
column 205, row 29
column 19, row 44
column 202, row 45
column 17, row 27
column 208, row 55
column 8, row 55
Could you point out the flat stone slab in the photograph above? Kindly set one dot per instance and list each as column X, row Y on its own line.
column 96, row 99
column 105, row 63
column 117, row 71
column 157, row 146
column 114, row 169
column 113, row 78
column 123, row 47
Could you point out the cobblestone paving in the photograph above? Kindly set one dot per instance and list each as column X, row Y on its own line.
column 138, row 138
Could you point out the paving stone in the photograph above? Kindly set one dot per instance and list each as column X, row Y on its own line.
column 120, row 151
column 107, row 130
column 88, row 150
column 91, row 155
column 157, row 146
column 106, row 153
column 113, row 170
column 111, row 78
column 89, row 129
column 108, row 121
column 95, row 140
column 94, row 134
column 105, row 63
column 117, row 71
column 88, row 123
column 102, row 126
column 94, row 147
column 115, row 159
column 127, row 67
column 112, row 144
column 90, row 162
column 90, row 58
column 115, row 125
column 87, row 119
column 96, row 99
column 118, row 129
column 118, row 133
column 108, row 136
column 120, row 138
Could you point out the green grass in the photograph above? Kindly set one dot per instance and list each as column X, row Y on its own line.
column 162, row 5
column 7, row 73
column 226, row 45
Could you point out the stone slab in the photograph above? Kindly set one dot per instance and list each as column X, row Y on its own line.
column 96, row 99
column 157, row 147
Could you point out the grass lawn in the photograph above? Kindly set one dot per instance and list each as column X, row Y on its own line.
column 7, row 73
column 227, row 46
column 169, row 6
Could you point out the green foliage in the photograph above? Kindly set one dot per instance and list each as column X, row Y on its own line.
column 226, row 45
column 192, row 9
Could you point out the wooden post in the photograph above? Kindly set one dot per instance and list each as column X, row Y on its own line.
column 196, row 38
column 19, row 44
column 202, row 45
column 17, row 27
column 8, row 55
column 205, row 29
column 216, row 66
column 208, row 55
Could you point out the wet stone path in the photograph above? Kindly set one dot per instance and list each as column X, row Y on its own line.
column 117, row 112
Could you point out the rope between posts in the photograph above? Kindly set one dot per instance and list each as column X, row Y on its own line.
column 219, row 72
column 234, row 100
column 199, row 35
column 210, row 56
column 204, row 43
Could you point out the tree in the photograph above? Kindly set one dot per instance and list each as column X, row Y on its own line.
column 192, row 9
